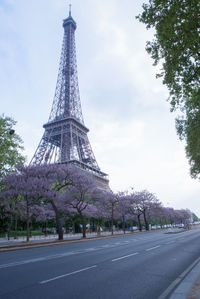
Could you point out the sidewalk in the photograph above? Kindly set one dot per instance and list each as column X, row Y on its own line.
column 195, row 290
column 4, row 242
column 189, row 288
column 20, row 242
column 43, row 238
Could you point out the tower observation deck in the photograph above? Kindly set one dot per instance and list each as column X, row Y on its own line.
column 65, row 137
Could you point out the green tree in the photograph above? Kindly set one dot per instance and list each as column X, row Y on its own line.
column 176, row 47
column 10, row 147
column 194, row 217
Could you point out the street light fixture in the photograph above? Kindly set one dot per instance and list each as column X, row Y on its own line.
column 11, row 132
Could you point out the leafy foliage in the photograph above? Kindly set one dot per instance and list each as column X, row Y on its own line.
column 188, row 128
column 39, row 193
column 176, row 46
column 10, row 147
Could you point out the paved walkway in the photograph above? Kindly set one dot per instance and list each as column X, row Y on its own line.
column 195, row 290
column 189, row 288
column 54, row 237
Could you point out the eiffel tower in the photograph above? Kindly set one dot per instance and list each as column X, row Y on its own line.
column 65, row 137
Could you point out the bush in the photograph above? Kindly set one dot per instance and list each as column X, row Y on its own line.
column 21, row 233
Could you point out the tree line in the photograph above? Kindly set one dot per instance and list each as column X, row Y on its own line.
column 45, row 193
column 60, row 192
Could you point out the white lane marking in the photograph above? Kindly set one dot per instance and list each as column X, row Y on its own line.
column 67, row 274
column 90, row 249
column 51, row 257
column 152, row 248
column 107, row 246
column 60, row 255
column 125, row 256
column 65, row 254
column 20, row 263
column 170, row 242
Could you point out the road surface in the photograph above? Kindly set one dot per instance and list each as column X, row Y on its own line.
column 133, row 266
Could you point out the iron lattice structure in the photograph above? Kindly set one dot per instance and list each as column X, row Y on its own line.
column 65, row 137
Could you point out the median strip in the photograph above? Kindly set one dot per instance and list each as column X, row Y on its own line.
column 67, row 274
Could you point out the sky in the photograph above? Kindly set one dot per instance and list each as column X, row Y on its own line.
column 132, row 131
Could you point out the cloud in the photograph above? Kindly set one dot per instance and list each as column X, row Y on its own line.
column 132, row 132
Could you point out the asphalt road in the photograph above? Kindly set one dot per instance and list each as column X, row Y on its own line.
column 134, row 266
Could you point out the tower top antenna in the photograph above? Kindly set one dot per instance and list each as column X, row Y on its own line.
column 70, row 8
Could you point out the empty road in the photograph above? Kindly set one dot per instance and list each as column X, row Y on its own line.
column 132, row 266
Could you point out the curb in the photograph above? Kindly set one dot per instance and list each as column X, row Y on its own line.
column 183, row 290
column 29, row 245
column 182, row 285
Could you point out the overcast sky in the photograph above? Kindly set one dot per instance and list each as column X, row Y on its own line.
column 132, row 131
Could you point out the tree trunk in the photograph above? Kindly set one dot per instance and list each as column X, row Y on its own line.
column 59, row 226
column 59, row 229
column 112, row 231
column 10, row 226
column 146, row 222
column 45, row 231
column 73, row 227
column 92, row 227
column 98, row 228
column 123, row 224
column 15, row 236
column 58, row 222
column 83, row 225
column 112, row 222
column 139, row 223
column 27, row 221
